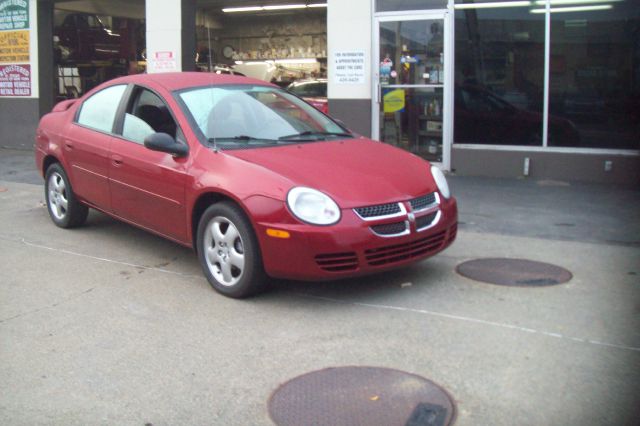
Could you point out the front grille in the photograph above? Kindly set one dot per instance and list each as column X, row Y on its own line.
column 390, row 228
column 423, row 202
column 379, row 210
column 425, row 221
column 337, row 262
column 396, row 253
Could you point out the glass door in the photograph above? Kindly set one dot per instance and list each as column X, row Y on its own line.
column 411, row 84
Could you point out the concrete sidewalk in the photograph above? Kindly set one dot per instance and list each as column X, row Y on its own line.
column 107, row 324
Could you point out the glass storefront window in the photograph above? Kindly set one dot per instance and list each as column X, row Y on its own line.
column 411, row 52
column 411, row 118
column 412, row 85
column 499, row 74
column 594, row 79
column 398, row 5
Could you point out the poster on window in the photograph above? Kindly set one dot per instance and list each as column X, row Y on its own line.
column 14, row 46
column 14, row 15
column 15, row 80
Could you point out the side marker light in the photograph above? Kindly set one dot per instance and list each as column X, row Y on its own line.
column 276, row 233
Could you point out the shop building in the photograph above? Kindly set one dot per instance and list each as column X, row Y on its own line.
column 548, row 89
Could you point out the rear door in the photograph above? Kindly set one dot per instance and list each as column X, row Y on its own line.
column 87, row 143
column 148, row 187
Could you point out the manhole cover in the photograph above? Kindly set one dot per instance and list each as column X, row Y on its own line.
column 514, row 272
column 361, row 396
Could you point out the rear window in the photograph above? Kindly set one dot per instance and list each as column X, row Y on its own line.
column 311, row 90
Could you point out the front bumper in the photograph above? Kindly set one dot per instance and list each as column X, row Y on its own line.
column 351, row 247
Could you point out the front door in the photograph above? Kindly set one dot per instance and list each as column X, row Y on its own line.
column 412, row 102
column 148, row 187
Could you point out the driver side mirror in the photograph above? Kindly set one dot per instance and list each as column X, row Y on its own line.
column 164, row 142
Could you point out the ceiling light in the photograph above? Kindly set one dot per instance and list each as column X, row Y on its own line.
column 577, row 2
column 574, row 9
column 492, row 4
column 242, row 9
column 285, row 7
column 270, row 8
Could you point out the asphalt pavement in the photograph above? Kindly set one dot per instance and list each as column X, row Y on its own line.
column 107, row 324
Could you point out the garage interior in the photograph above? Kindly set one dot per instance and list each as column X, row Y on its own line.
column 95, row 41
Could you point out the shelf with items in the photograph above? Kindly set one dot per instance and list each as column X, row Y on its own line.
column 429, row 126
column 429, row 132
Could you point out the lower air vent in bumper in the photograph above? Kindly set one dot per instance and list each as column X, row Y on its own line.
column 337, row 262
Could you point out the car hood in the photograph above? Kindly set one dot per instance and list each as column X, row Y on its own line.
column 354, row 172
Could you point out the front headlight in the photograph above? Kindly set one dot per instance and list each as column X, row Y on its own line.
column 313, row 206
column 441, row 181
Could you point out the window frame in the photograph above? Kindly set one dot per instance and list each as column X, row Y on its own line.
column 130, row 96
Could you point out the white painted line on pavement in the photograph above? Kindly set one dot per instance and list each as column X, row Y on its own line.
column 474, row 320
column 102, row 259
column 366, row 305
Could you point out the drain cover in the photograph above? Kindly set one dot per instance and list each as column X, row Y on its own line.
column 514, row 272
column 361, row 396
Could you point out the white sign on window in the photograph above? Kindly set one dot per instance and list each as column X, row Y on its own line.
column 348, row 67
column 163, row 62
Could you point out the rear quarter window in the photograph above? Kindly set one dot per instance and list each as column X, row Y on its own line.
column 99, row 111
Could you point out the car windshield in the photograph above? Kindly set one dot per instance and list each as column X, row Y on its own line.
column 247, row 116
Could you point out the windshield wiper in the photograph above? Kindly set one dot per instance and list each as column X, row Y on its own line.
column 239, row 138
column 242, row 138
column 316, row 134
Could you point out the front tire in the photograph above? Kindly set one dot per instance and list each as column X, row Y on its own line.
column 64, row 208
column 228, row 251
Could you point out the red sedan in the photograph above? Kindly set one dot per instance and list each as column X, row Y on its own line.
column 257, row 181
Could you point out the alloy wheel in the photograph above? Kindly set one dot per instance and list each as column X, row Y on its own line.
column 58, row 201
column 224, row 251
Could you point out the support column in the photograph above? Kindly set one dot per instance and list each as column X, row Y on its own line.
column 171, row 35
column 47, row 74
column 349, row 33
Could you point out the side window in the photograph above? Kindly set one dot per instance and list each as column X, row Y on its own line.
column 147, row 114
column 99, row 111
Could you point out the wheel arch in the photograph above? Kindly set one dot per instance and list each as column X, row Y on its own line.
column 47, row 162
column 202, row 203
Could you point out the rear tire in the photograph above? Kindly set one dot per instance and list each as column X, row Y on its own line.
column 228, row 251
column 64, row 208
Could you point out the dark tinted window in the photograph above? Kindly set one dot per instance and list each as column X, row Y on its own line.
column 499, row 66
column 595, row 76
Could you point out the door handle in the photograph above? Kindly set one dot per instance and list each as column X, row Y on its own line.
column 68, row 145
column 117, row 160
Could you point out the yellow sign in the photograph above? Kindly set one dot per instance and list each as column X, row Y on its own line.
column 394, row 100
column 14, row 46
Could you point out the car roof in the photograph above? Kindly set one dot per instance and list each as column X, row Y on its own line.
column 182, row 80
